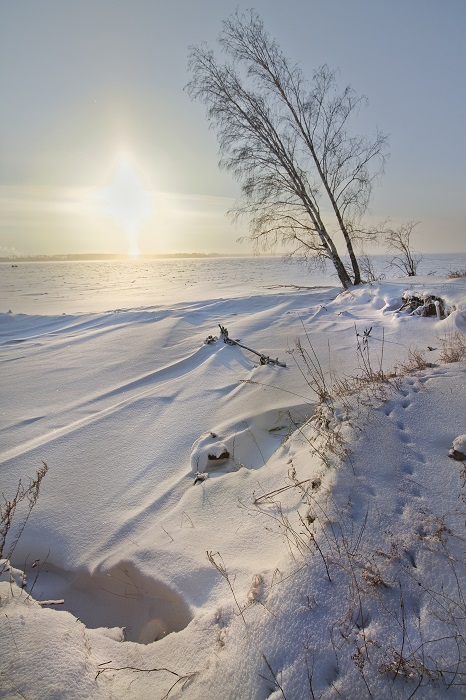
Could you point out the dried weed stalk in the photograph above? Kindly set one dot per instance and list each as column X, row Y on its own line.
column 219, row 564
column 9, row 529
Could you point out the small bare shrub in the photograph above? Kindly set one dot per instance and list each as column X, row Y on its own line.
column 368, row 272
column 456, row 274
column 453, row 347
column 399, row 242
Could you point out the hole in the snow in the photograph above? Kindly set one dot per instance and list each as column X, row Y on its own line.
column 119, row 597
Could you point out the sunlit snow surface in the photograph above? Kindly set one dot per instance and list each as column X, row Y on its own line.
column 107, row 379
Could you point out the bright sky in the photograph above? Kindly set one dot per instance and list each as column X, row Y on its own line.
column 102, row 150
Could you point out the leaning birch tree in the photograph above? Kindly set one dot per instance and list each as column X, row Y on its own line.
column 306, row 179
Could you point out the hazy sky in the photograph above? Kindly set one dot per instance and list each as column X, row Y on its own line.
column 102, row 150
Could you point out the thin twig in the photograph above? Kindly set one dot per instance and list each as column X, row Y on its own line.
column 221, row 568
column 274, row 676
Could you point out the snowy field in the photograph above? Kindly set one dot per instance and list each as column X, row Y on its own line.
column 213, row 527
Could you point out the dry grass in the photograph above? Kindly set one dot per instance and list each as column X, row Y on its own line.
column 342, row 401
column 385, row 579
column 321, row 528
column 456, row 274
column 414, row 362
column 11, row 528
column 453, row 347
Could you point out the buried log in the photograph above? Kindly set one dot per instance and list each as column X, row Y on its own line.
column 264, row 359
column 424, row 304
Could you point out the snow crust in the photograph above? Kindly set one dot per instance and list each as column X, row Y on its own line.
column 287, row 565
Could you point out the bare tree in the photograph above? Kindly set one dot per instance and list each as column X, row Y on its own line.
column 399, row 242
column 306, row 181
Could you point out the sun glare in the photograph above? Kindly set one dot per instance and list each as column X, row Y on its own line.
column 127, row 201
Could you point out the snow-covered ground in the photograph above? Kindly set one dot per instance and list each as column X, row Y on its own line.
column 315, row 559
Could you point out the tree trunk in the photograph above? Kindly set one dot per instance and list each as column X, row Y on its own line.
column 343, row 229
column 341, row 272
column 330, row 247
column 354, row 262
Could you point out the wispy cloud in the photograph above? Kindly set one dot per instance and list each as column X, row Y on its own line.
column 23, row 201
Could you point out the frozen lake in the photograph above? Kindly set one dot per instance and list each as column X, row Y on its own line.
column 71, row 287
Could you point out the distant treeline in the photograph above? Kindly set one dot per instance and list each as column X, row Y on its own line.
column 105, row 256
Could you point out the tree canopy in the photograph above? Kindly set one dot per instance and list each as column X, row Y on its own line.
column 306, row 179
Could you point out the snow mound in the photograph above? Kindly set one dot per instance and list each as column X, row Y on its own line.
column 246, row 443
column 458, row 450
column 334, row 551
column 207, row 452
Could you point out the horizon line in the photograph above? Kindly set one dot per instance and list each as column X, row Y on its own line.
column 64, row 257
column 119, row 256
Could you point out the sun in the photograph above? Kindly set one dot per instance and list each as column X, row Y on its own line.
column 127, row 200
